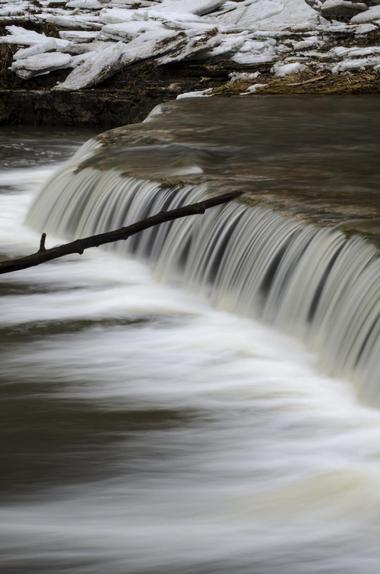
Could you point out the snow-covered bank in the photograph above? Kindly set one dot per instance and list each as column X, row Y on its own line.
column 92, row 40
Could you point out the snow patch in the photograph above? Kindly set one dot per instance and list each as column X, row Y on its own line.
column 367, row 16
column 282, row 70
column 253, row 89
column 40, row 64
column 196, row 94
column 94, row 70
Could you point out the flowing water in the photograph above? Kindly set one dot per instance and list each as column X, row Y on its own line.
column 144, row 430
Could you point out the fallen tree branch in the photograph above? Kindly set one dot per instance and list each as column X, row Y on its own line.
column 79, row 245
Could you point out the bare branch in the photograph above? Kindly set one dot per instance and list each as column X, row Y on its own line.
column 79, row 245
column 42, row 243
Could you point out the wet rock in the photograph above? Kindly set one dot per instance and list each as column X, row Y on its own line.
column 81, row 108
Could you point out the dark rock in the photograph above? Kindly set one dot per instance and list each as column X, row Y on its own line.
column 105, row 108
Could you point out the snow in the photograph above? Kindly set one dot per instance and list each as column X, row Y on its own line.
column 129, row 30
column 270, row 14
column 282, row 70
column 84, row 4
column 253, row 89
column 365, row 29
column 75, row 21
column 229, row 45
column 356, row 64
column 94, row 69
column 22, row 37
column 198, row 7
column 40, row 64
column 256, row 52
column 197, row 94
column 49, row 46
column 193, row 45
column 98, row 37
column 78, row 35
column 342, row 52
column 311, row 42
column 367, row 16
column 14, row 9
column 243, row 76
column 145, row 46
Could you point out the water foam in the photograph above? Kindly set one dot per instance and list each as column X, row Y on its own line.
column 313, row 282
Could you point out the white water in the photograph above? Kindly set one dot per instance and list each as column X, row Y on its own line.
column 248, row 459
column 311, row 282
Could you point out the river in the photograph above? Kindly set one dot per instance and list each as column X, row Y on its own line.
column 144, row 431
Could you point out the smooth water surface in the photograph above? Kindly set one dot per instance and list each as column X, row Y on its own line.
column 143, row 431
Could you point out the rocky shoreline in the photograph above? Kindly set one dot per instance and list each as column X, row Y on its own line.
column 109, row 62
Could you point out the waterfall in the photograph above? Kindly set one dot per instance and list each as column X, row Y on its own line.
column 312, row 282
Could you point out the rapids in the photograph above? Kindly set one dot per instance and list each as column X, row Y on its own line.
column 310, row 280
column 145, row 430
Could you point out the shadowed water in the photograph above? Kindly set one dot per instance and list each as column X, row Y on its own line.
column 143, row 431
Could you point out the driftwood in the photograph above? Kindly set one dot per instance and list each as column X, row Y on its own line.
column 79, row 245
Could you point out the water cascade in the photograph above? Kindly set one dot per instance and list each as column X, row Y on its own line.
column 312, row 281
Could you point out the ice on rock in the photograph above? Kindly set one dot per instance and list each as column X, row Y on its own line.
column 270, row 14
column 253, row 89
column 282, row 70
column 40, row 64
column 84, row 48
column 307, row 44
column 198, row 7
column 14, row 9
column 368, row 16
column 99, row 37
column 85, row 4
column 50, row 45
column 78, row 35
column 350, row 65
column 365, row 29
column 94, row 69
column 195, row 94
column 129, row 30
column 256, row 52
column 119, row 15
column 356, row 58
column 22, row 37
column 174, row 17
column 229, row 44
column 73, row 22
column 243, row 76
column 342, row 52
column 145, row 46
column 194, row 45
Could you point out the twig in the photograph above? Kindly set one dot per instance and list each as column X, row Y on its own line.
column 79, row 245
column 308, row 81
column 42, row 243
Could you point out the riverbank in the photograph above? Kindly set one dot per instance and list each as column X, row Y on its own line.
column 108, row 64
column 113, row 106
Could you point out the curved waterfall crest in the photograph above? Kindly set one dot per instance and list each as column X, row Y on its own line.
column 315, row 283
